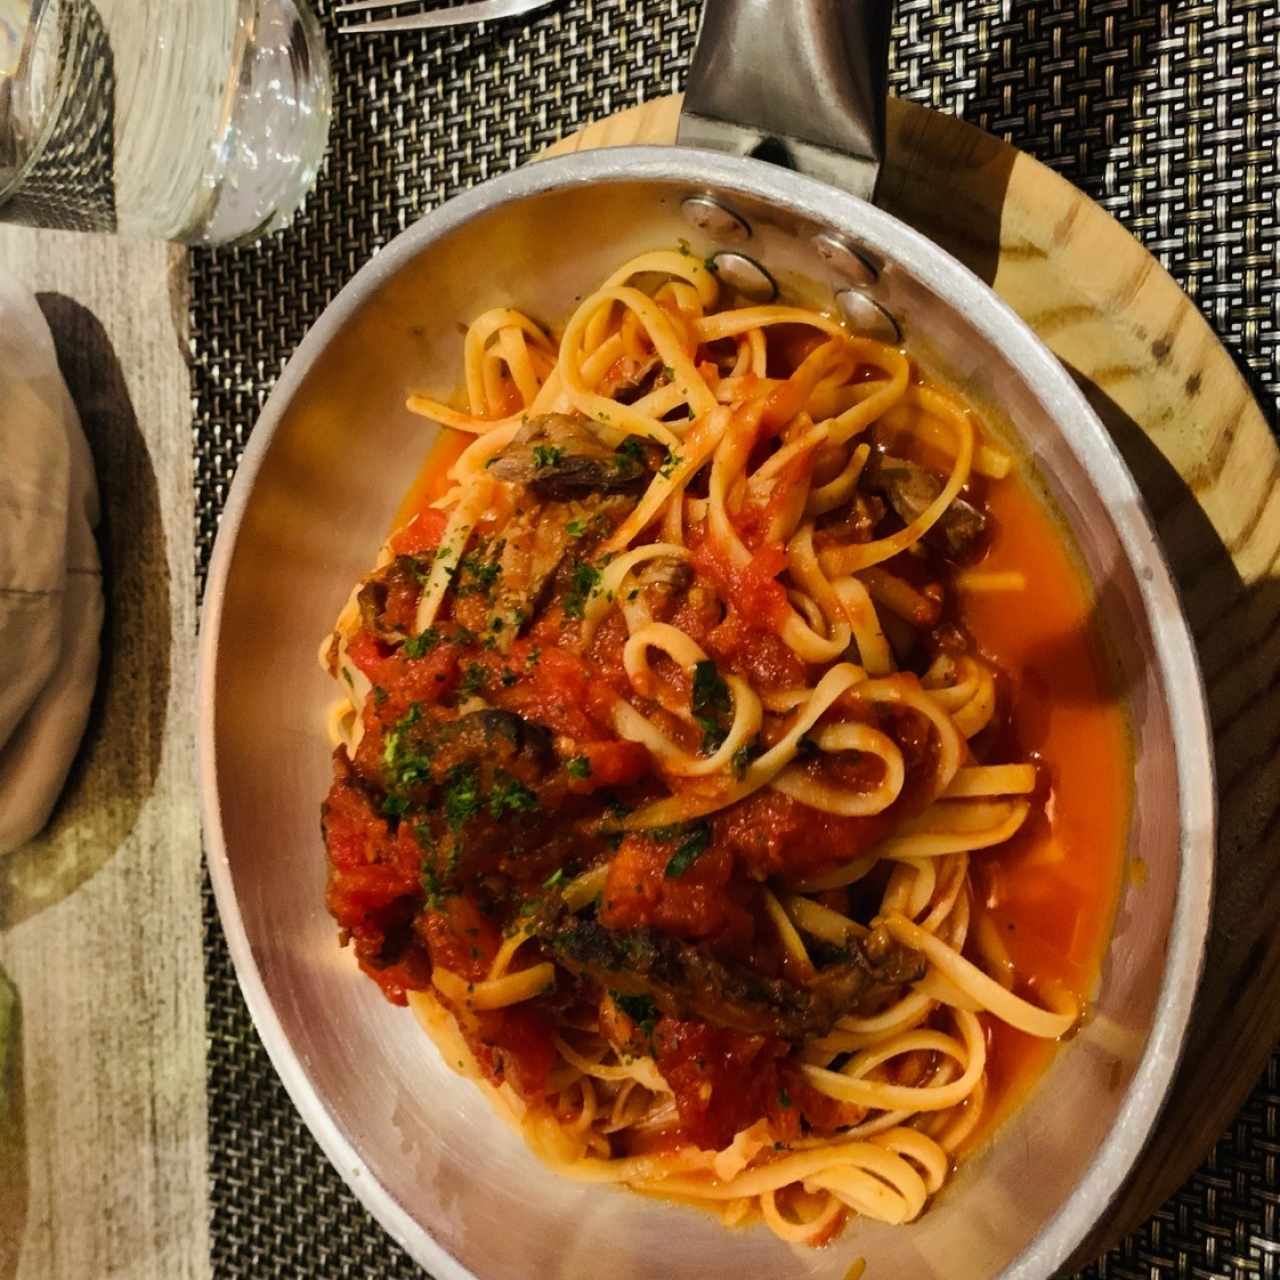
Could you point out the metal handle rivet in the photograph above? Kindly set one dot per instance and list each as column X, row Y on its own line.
column 745, row 275
column 867, row 317
column 714, row 219
column 842, row 258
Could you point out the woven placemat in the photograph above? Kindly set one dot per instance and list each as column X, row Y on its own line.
column 1165, row 113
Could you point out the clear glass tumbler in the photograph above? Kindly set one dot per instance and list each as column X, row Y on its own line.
column 201, row 121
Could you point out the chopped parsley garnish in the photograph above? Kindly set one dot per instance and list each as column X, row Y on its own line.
column 575, row 528
column 432, row 885
column 394, row 805
column 474, row 680
column 534, row 656
column 546, row 456
column 640, row 1009
column 669, row 465
column 346, row 675
column 711, row 265
column 462, row 799
column 421, row 644
column 629, row 451
column 510, row 795
column 710, row 703
column 694, row 842
column 555, row 878
column 475, row 575
column 579, row 767
column 742, row 761
column 582, row 586
column 669, row 373
column 380, row 695
column 404, row 765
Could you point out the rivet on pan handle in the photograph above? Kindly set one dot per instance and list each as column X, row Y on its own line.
column 802, row 82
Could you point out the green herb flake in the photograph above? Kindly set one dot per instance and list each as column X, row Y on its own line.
column 534, row 656
column 391, row 747
column 346, row 675
column 546, row 456
column 476, row 575
column 420, row 645
column 628, row 455
column 582, row 586
column 669, row 465
column 742, row 761
column 575, row 528
column 710, row 692
column 640, row 1009
column 711, row 265
column 380, row 695
column 510, row 795
column 579, row 767
column 393, row 806
column 432, row 885
column 462, row 800
column 694, row 843
column 710, row 703
column 555, row 878
column 474, row 680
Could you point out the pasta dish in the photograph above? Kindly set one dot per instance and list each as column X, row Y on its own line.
column 698, row 780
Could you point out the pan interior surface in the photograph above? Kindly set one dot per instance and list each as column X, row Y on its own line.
column 326, row 470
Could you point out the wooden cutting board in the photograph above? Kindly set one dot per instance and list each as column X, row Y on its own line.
column 1206, row 461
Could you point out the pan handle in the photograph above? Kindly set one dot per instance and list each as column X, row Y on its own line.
column 801, row 82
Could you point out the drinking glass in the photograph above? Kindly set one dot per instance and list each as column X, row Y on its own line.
column 201, row 121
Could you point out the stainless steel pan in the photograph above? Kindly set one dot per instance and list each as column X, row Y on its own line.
column 330, row 457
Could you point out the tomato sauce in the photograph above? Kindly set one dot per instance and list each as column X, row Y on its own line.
column 1048, row 895
column 432, row 480
column 1051, row 891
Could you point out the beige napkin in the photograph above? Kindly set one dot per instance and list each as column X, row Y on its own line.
column 50, row 577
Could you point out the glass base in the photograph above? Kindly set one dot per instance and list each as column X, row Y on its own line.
column 277, row 127
column 200, row 121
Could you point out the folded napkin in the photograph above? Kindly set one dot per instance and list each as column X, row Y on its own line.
column 51, row 604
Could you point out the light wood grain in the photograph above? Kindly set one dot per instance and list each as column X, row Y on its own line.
column 100, row 918
column 1209, row 468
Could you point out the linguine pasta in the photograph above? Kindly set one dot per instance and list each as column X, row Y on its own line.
column 662, row 770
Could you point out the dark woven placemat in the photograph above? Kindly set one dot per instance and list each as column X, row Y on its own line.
column 1166, row 113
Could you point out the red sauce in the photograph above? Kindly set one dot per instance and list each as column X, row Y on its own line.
column 1048, row 894
column 698, row 904
column 1051, row 891
column 723, row 1080
column 752, row 588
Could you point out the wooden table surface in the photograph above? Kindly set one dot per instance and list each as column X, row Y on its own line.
column 100, row 920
